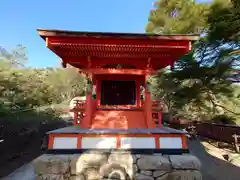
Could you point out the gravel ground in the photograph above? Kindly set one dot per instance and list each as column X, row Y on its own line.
column 26, row 172
column 213, row 168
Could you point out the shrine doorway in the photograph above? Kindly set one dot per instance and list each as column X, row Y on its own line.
column 118, row 93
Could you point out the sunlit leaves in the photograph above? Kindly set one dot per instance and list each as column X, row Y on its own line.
column 177, row 17
column 27, row 87
column 200, row 85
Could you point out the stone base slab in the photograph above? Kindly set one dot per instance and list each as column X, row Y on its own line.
column 96, row 165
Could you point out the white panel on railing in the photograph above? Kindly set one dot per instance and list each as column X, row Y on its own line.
column 170, row 142
column 99, row 142
column 137, row 143
column 65, row 143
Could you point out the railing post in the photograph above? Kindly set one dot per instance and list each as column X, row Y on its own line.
column 236, row 144
column 148, row 106
column 86, row 122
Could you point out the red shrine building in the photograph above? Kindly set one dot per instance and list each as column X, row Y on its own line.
column 118, row 67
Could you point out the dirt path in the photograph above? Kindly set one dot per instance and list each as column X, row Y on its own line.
column 213, row 168
column 25, row 172
column 30, row 152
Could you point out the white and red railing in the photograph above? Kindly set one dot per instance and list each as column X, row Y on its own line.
column 117, row 141
column 78, row 110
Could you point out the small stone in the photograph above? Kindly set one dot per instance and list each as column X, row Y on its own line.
column 51, row 164
column 50, row 177
column 185, row 162
column 94, row 159
column 92, row 174
column 143, row 177
column 148, row 162
column 123, row 159
column 135, row 168
column 164, row 177
column 158, row 173
column 145, row 172
column 83, row 161
column 185, row 175
column 138, row 155
column 78, row 177
column 134, row 159
column 234, row 159
column 112, row 171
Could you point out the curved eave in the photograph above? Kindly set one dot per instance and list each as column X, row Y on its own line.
column 81, row 48
column 63, row 33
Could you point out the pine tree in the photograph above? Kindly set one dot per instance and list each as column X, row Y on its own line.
column 177, row 17
column 224, row 21
column 201, row 82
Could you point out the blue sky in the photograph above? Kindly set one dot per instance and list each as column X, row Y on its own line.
column 21, row 18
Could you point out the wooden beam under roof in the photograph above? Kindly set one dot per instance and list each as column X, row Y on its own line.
column 63, row 33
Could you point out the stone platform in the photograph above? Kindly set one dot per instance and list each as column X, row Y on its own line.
column 117, row 165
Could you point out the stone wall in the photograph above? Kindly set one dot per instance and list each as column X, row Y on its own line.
column 117, row 166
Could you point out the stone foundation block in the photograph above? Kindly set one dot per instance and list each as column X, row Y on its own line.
column 92, row 174
column 158, row 173
column 185, row 162
column 50, row 177
column 79, row 177
column 126, row 159
column 117, row 166
column 147, row 173
column 164, row 177
column 153, row 162
column 143, row 177
column 112, row 171
column 80, row 162
column 51, row 164
column 185, row 175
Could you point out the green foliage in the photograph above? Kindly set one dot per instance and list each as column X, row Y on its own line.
column 13, row 124
column 177, row 17
column 224, row 119
column 23, row 90
column 224, row 21
column 27, row 88
column 66, row 83
column 200, row 86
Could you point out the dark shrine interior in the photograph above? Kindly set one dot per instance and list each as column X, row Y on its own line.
column 118, row 93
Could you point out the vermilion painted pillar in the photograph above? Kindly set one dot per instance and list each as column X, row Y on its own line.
column 148, row 110
column 138, row 98
column 86, row 122
column 148, row 107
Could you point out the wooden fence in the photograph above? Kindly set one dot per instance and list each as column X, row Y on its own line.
column 224, row 133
